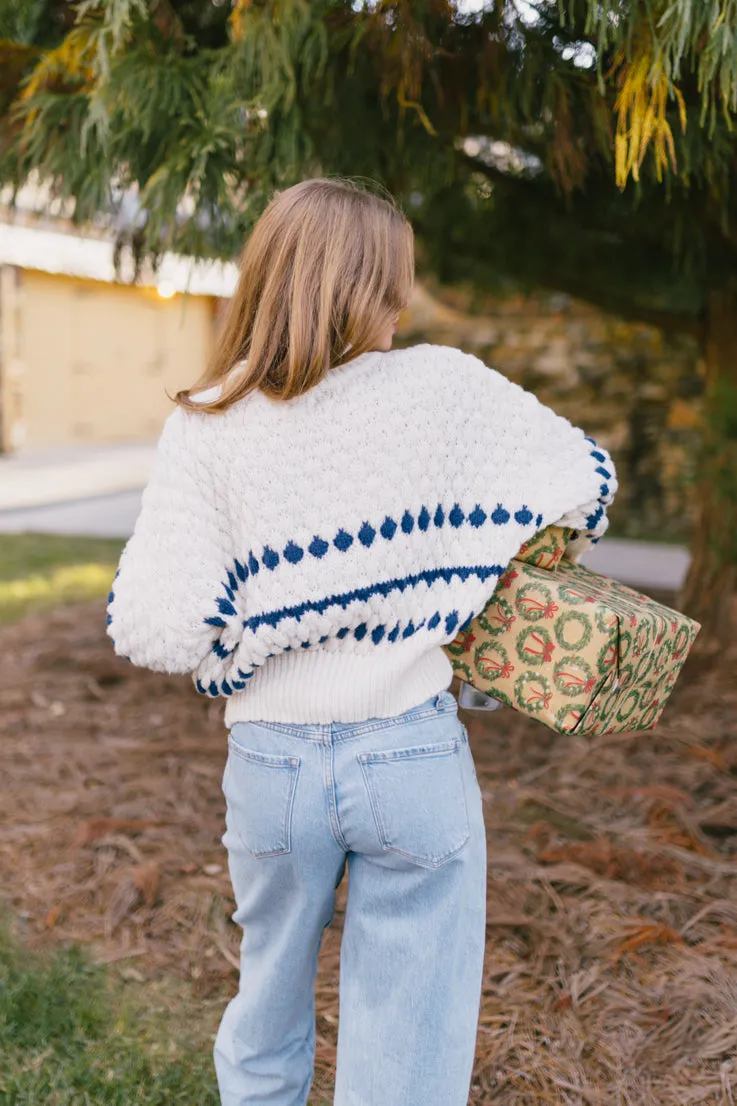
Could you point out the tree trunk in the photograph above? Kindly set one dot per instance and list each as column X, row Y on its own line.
column 709, row 593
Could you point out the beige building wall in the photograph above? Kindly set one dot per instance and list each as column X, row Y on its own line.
column 95, row 360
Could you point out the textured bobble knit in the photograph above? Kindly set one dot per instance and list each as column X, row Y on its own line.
column 306, row 560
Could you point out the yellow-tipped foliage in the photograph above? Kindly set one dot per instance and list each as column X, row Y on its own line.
column 641, row 107
column 73, row 62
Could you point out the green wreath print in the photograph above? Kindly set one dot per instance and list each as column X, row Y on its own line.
column 570, row 594
column 607, row 706
column 681, row 641
column 568, row 717
column 497, row 616
column 648, row 693
column 606, row 619
column 573, row 629
column 491, row 660
column 532, row 692
column 534, row 601
column 644, row 666
column 535, row 646
column 625, row 644
column 628, row 704
column 607, row 659
column 573, row 677
column 662, row 658
column 651, row 715
column 643, row 637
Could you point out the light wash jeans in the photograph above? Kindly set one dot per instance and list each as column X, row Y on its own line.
column 397, row 800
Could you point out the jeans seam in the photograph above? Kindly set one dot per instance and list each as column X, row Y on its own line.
column 290, row 730
column 329, row 779
column 396, row 722
column 412, row 752
column 290, row 806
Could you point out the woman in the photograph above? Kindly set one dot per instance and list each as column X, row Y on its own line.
column 322, row 517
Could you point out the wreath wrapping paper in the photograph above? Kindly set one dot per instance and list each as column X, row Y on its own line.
column 575, row 650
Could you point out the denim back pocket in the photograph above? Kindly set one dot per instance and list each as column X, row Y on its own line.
column 260, row 790
column 418, row 801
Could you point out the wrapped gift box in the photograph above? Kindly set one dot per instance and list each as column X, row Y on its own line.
column 573, row 649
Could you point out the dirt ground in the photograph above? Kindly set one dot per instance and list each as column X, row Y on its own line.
column 611, row 968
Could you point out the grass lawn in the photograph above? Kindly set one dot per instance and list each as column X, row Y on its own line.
column 72, row 1035
column 40, row 571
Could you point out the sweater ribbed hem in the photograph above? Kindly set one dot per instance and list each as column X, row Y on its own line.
column 336, row 686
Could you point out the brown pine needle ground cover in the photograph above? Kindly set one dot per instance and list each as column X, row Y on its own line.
column 611, row 969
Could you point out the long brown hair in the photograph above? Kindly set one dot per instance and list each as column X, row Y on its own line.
column 328, row 266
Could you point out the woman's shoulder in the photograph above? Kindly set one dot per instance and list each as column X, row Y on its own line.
column 448, row 362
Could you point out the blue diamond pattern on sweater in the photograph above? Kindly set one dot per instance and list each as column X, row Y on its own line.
column 456, row 516
column 604, row 489
column 408, row 523
column 439, row 518
column 377, row 634
column 451, row 622
column 523, row 517
column 270, row 558
column 423, row 519
column 366, row 534
column 592, row 520
column 241, row 571
column 252, row 564
column 388, row 528
column 360, row 631
column 539, row 521
column 318, row 547
column 343, row 632
column 477, row 517
column 500, row 516
column 343, row 540
column 293, row 553
column 434, row 621
column 394, row 634
column 604, row 472
column 409, row 629
column 599, row 456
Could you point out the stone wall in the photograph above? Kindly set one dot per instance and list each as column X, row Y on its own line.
column 633, row 388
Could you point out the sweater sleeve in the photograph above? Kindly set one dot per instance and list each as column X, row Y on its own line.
column 590, row 519
column 551, row 458
column 170, row 571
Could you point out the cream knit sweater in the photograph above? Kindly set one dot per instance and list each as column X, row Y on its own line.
column 307, row 560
